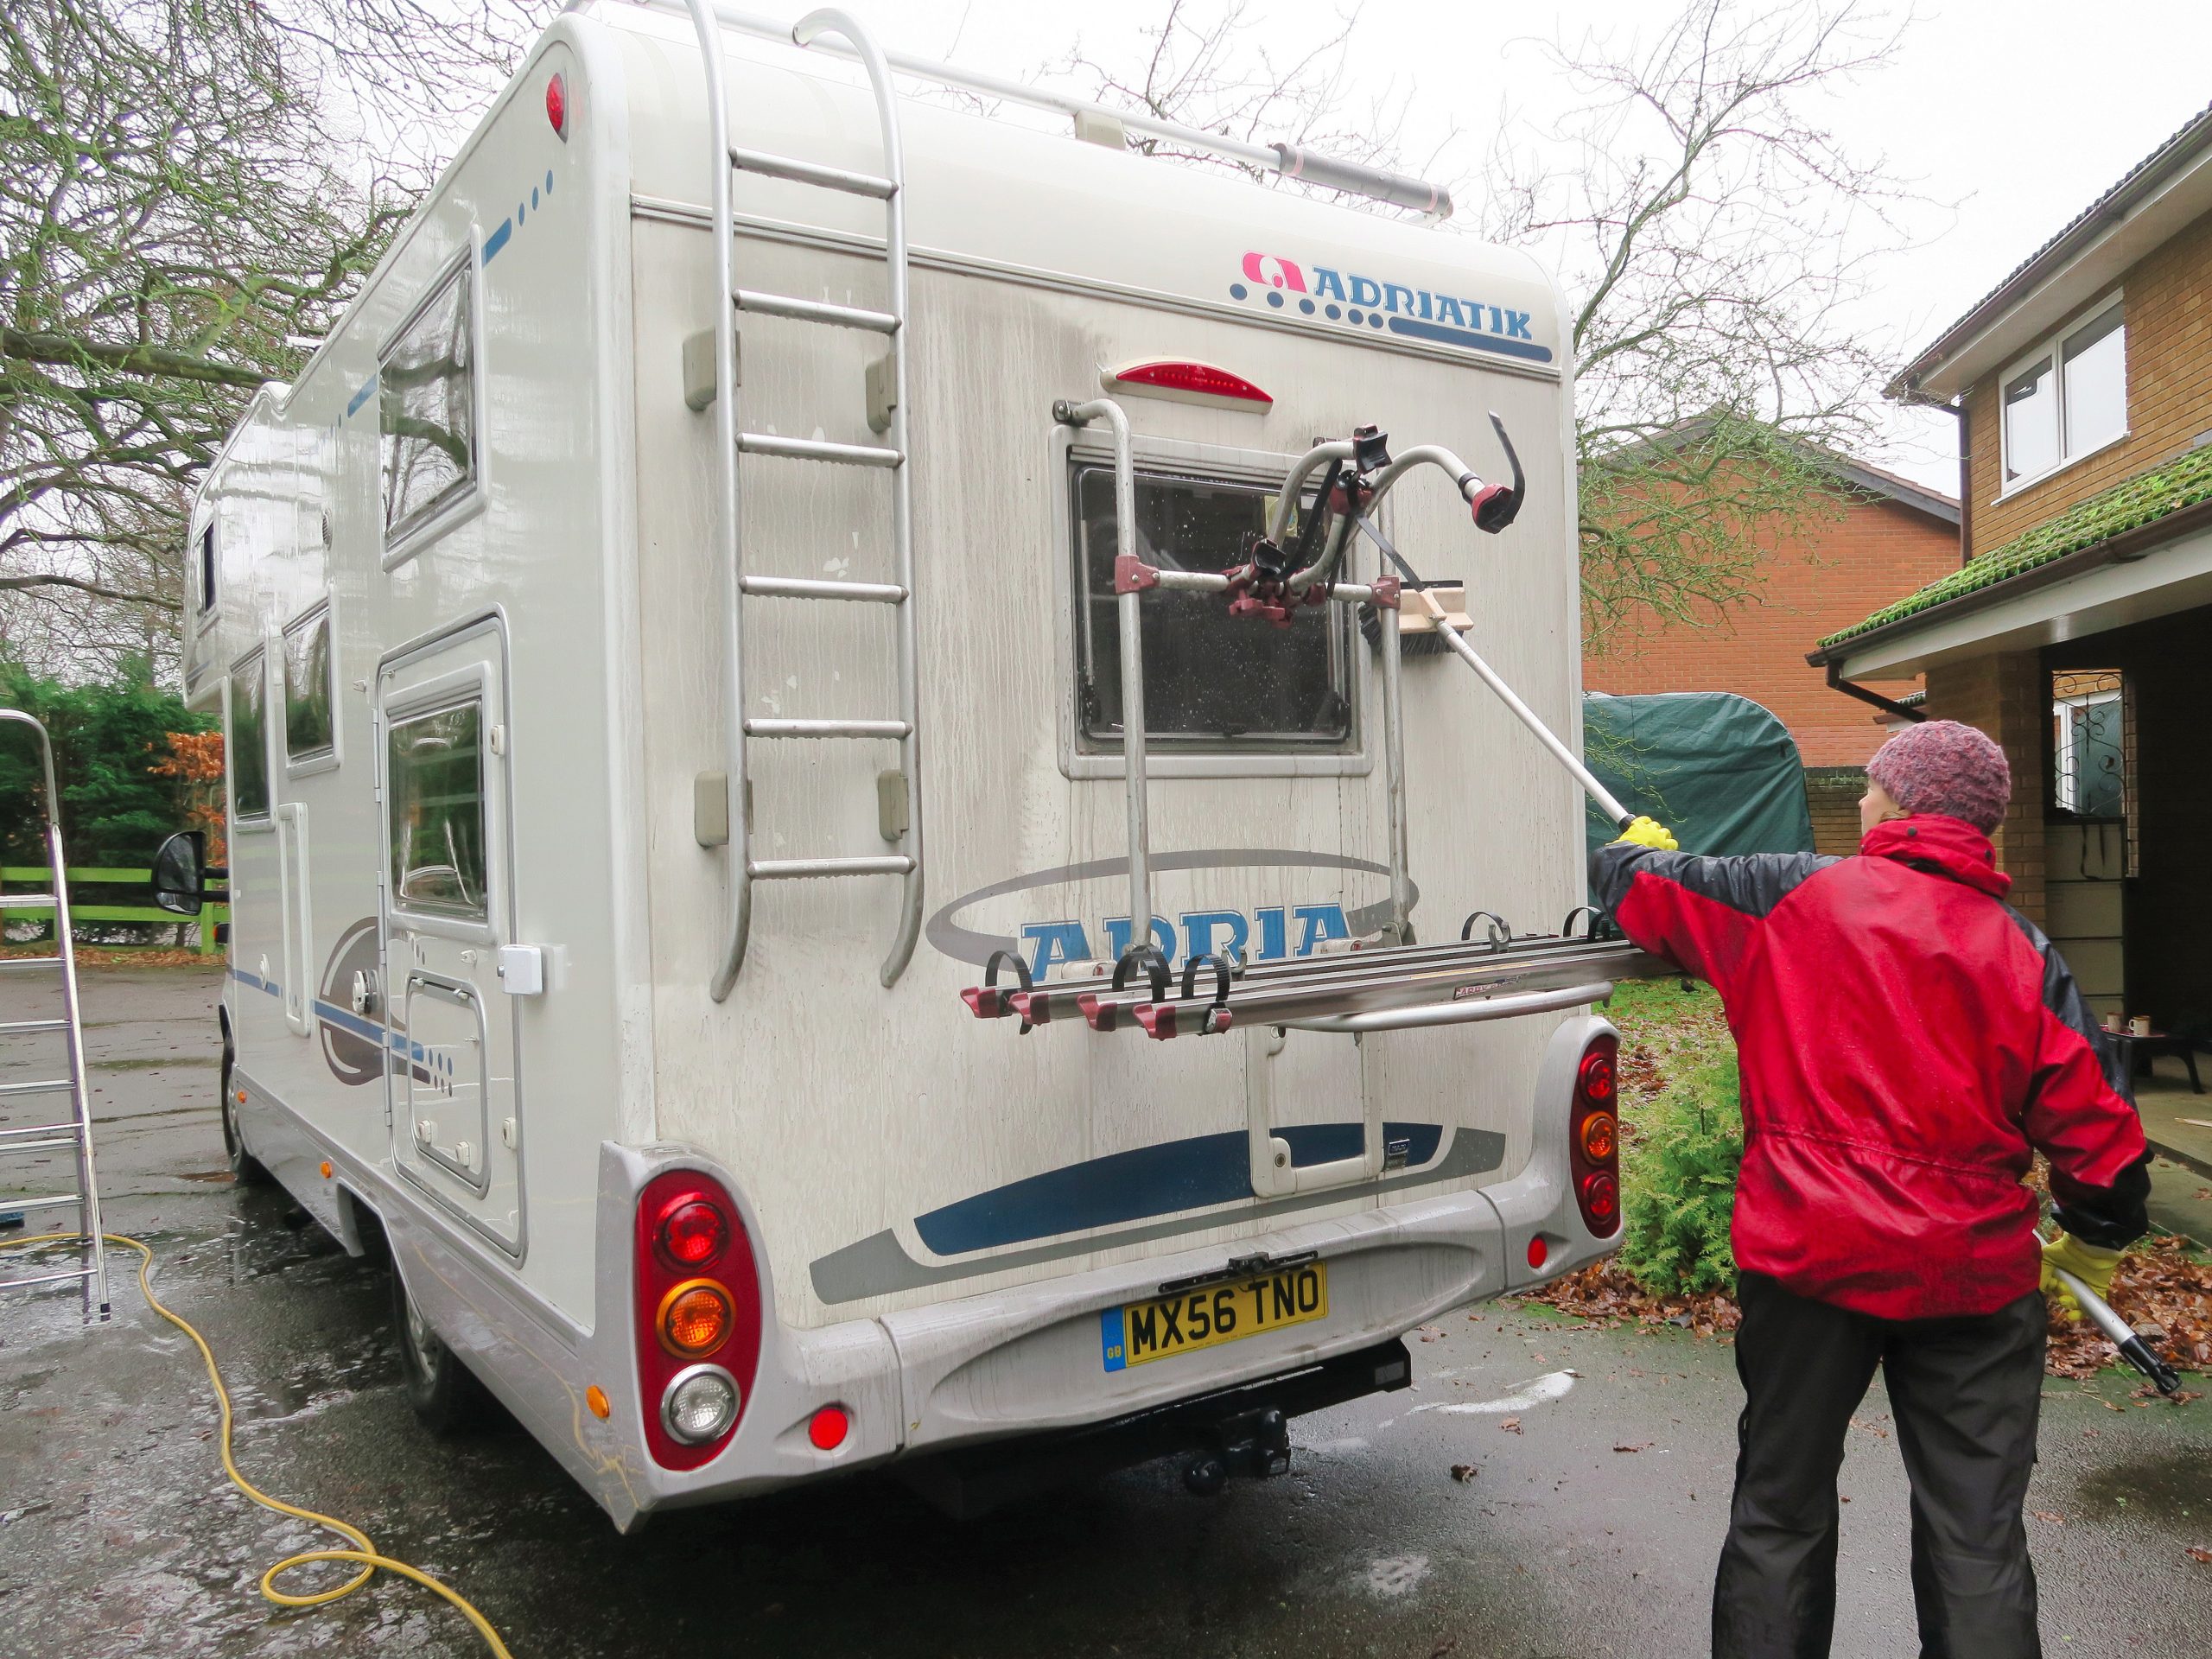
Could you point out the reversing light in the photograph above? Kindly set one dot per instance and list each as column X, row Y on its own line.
column 828, row 1427
column 1600, row 1136
column 556, row 107
column 699, row 1404
column 694, row 1317
column 1196, row 382
column 692, row 1232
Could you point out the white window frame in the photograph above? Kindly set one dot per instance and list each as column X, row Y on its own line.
column 1066, row 446
column 2066, row 780
column 2053, row 346
column 313, row 761
column 468, row 266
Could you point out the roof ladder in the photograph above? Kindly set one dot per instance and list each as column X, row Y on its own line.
column 73, row 1132
column 900, row 797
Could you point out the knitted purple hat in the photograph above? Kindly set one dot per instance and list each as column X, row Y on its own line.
column 1942, row 766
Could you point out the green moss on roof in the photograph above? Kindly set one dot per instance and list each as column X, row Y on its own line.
column 2141, row 500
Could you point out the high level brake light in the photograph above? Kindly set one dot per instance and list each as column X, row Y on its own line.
column 556, row 107
column 1593, row 1146
column 698, row 1316
column 1189, row 382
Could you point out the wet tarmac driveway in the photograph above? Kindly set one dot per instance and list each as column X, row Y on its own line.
column 1584, row 1518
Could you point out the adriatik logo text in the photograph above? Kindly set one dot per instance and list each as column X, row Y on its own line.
column 1270, row 933
column 1362, row 301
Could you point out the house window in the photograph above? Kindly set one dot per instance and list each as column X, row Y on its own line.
column 1209, row 683
column 247, row 752
column 310, row 726
column 427, row 405
column 435, row 804
column 2068, row 397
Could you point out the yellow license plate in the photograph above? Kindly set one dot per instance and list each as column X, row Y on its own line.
column 1137, row 1332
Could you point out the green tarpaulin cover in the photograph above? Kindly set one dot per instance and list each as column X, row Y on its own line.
column 1717, row 769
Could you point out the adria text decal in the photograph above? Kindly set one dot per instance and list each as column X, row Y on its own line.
column 1354, row 301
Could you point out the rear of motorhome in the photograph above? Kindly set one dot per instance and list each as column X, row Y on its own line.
column 663, row 672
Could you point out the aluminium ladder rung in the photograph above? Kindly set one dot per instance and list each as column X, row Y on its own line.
column 797, row 172
column 58, row 1086
column 797, row 869
column 46, row 1278
column 69, row 1129
column 33, row 1025
column 9, row 1150
column 60, row 1202
column 26, row 964
column 848, row 454
column 27, row 901
column 872, row 592
column 827, row 728
column 837, row 316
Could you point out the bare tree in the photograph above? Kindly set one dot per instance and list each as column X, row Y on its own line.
column 1216, row 71
column 169, row 241
column 1714, row 236
column 1706, row 226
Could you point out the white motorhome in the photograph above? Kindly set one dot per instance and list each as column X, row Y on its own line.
column 663, row 672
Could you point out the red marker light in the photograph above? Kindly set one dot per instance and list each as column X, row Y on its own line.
column 1198, row 382
column 693, row 1233
column 1539, row 1252
column 828, row 1427
column 556, row 105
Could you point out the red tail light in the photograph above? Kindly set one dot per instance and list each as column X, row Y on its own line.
column 556, row 107
column 1593, row 1146
column 1199, row 382
column 698, row 1311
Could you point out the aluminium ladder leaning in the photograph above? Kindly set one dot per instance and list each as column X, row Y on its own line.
column 900, row 793
column 75, row 1131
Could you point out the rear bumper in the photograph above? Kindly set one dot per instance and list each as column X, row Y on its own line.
column 1025, row 1361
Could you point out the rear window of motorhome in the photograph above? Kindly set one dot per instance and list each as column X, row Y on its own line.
column 248, row 748
column 426, row 400
column 309, row 730
column 1209, row 681
column 436, row 804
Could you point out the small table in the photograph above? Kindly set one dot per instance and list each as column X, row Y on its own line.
column 2139, row 1049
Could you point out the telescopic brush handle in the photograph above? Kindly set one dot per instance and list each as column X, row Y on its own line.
column 2136, row 1351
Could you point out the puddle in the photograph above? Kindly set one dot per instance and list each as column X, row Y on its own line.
column 2173, row 1485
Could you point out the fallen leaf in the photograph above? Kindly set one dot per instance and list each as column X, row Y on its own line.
column 2200, row 1555
column 2051, row 1516
column 1463, row 1472
column 1631, row 1448
column 1511, row 1425
column 1444, row 1647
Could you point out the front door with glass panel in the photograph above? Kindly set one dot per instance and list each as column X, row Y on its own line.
column 447, row 907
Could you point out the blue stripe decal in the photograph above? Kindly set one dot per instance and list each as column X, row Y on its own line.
column 1437, row 332
column 353, row 407
column 346, row 1020
column 1158, row 1180
column 498, row 239
column 256, row 981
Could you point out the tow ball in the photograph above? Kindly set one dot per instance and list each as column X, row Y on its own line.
column 1253, row 1443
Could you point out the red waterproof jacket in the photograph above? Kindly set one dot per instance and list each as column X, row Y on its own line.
column 1906, row 1039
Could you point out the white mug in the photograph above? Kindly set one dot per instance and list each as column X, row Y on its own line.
column 2140, row 1025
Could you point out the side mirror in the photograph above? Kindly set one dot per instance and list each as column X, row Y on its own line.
column 180, row 874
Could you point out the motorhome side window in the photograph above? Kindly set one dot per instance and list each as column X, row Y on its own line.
column 1209, row 682
column 436, row 804
column 207, row 568
column 247, row 753
column 426, row 396
column 309, row 728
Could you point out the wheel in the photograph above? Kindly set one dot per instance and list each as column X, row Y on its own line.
column 246, row 1168
column 444, row 1392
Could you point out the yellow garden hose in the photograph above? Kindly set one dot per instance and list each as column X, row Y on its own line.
column 363, row 1554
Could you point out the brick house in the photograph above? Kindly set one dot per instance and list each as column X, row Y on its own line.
column 2077, row 630
column 1891, row 534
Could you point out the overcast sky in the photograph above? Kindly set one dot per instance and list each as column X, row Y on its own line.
column 2015, row 114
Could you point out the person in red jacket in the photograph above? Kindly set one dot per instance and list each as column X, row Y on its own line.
column 1907, row 1042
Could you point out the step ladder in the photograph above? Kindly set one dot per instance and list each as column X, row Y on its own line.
column 74, row 1129
column 728, row 820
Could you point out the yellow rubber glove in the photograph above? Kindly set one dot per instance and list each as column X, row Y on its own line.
column 1650, row 832
column 2092, row 1266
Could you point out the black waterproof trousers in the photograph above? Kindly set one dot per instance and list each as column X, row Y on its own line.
column 1965, row 1393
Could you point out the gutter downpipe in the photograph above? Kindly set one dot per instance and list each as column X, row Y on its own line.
column 1887, row 705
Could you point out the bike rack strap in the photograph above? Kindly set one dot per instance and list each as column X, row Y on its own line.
column 988, row 1002
column 1159, row 1017
column 1102, row 1016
